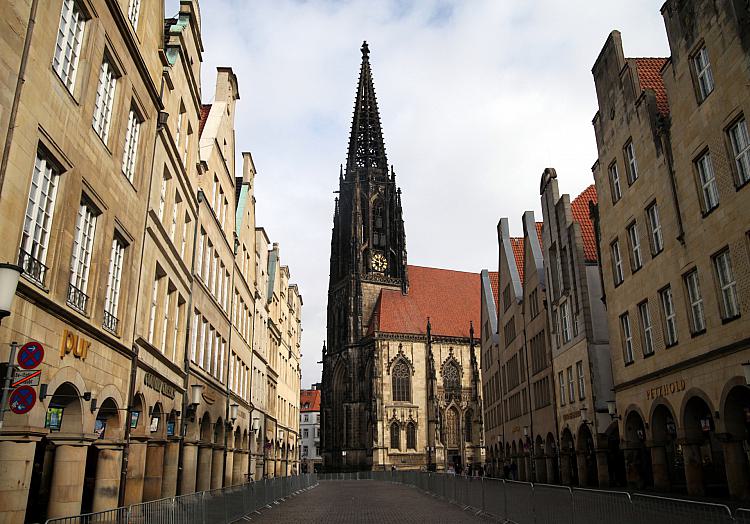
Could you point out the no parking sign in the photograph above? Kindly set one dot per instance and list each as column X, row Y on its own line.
column 22, row 400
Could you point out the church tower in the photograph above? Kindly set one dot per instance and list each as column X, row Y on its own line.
column 368, row 253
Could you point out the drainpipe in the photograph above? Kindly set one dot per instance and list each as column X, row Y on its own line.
column 229, row 356
column 17, row 94
column 666, row 140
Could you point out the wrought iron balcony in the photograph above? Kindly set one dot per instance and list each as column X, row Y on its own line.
column 77, row 299
column 111, row 322
column 33, row 268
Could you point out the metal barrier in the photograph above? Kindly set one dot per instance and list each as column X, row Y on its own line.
column 553, row 504
column 594, row 506
column 648, row 508
column 742, row 516
column 519, row 503
column 216, row 506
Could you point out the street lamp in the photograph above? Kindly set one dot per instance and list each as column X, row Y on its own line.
column 612, row 410
column 9, row 275
column 196, row 391
column 584, row 416
column 234, row 412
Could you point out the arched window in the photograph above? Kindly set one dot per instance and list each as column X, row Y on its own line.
column 411, row 436
column 401, row 381
column 452, row 380
column 395, row 436
column 467, row 426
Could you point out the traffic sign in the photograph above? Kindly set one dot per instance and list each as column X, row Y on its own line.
column 30, row 355
column 27, row 377
column 22, row 400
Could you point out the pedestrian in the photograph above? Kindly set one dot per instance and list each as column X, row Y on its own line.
column 451, row 471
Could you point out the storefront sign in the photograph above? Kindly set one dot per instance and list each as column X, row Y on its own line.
column 73, row 343
column 159, row 385
column 571, row 415
column 666, row 389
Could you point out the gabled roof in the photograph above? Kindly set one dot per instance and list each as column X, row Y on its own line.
column 495, row 283
column 205, row 110
column 579, row 208
column 649, row 76
column 517, row 244
column 451, row 299
column 309, row 398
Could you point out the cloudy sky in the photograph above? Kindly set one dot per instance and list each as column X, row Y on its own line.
column 476, row 98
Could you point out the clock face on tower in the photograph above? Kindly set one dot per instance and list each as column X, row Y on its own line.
column 379, row 263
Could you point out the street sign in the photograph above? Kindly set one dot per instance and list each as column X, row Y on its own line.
column 27, row 377
column 30, row 355
column 22, row 400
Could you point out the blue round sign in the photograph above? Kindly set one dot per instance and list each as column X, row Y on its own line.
column 22, row 400
column 30, row 355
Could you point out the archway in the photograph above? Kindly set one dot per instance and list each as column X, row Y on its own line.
column 586, row 451
column 523, row 469
column 205, row 455
column 736, row 416
column 637, row 457
column 553, row 472
column 667, row 462
column 704, row 457
column 108, row 428
column 540, row 463
column 615, row 456
column 568, row 459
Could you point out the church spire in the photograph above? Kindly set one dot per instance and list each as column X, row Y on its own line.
column 366, row 147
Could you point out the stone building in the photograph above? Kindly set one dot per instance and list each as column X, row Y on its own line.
column 492, row 398
column 121, row 203
column 401, row 377
column 588, row 438
column 671, row 176
column 528, row 429
column 310, row 457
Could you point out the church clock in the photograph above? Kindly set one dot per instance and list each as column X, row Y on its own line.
column 379, row 263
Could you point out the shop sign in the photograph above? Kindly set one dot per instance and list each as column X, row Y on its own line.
column 665, row 389
column 74, row 343
column 571, row 415
column 155, row 383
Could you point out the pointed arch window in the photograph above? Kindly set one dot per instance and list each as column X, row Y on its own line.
column 395, row 436
column 467, row 426
column 411, row 436
column 452, row 379
column 401, row 381
column 451, row 430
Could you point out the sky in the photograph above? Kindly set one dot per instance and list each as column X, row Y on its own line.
column 476, row 98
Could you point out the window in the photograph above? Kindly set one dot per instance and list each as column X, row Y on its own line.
column 565, row 321
column 614, row 177
column 468, row 426
column 134, row 9
column 729, row 304
column 152, row 311
column 581, row 380
column 703, row 73
column 401, row 381
column 646, row 328
column 305, row 433
column 654, row 224
column 561, row 383
column 631, row 162
column 38, row 220
column 114, row 278
column 68, row 46
column 178, row 127
column 534, row 303
column 395, row 436
column 131, row 144
column 451, row 380
column 169, row 294
column 183, row 239
column 697, row 319
column 709, row 190
column 411, row 436
column 80, row 263
column 635, row 247
column 194, row 335
column 617, row 262
column 506, row 297
column 105, row 94
column 741, row 150
column 627, row 338
column 571, row 385
column 670, row 320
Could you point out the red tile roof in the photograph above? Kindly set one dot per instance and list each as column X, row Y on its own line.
column 517, row 244
column 311, row 398
column 495, row 284
column 450, row 298
column 649, row 75
column 205, row 109
column 539, row 226
column 579, row 207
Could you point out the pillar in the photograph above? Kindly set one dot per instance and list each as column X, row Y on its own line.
column 203, row 482
column 136, row 471
column 583, row 470
column 540, row 469
column 566, row 467
column 17, row 464
column 189, row 468
column 738, row 476
column 67, row 480
column 660, row 467
column 602, row 467
column 107, row 485
column 239, row 460
column 229, row 468
column 153, row 471
column 691, row 452
column 169, row 475
column 217, row 464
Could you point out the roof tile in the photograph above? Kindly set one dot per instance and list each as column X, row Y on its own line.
column 205, row 110
column 649, row 76
column 579, row 207
column 311, row 398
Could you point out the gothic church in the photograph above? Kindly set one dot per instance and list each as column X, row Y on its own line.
column 401, row 382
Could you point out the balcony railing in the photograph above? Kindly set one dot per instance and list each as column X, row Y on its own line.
column 77, row 299
column 33, row 268
column 111, row 322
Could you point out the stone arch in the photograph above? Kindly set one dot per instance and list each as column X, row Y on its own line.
column 663, row 421
column 689, row 404
column 401, row 380
column 394, row 430
column 108, row 423
column 157, row 421
column 67, row 399
column 206, row 433
column 137, row 414
column 729, row 395
column 411, row 435
column 538, row 445
column 218, row 434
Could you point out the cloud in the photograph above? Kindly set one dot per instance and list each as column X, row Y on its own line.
column 476, row 99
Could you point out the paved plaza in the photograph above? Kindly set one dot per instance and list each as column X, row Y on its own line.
column 362, row 502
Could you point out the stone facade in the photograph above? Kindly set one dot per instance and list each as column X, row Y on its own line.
column 310, row 456
column 678, row 310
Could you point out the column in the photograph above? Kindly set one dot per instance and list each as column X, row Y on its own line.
column 659, row 466
column 169, row 475
column 153, row 471
column 16, row 463
column 189, row 467
column 240, row 458
column 583, row 470
column 67, row 480
column 217, row 464
column 602, row 467
column 136, row 470
column 693, row 469
column 566, row 473
column 203, row 482
column 738, row 476
column 107, row 486
column 229, row 468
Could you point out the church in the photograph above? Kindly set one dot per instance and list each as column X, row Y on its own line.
column 401, row 371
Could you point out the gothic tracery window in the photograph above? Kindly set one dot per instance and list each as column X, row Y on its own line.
column 401, row 382
column 411, row 436
column 395, row 436
column 451, row 380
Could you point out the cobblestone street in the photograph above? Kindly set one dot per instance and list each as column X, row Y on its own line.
column 363, row 502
